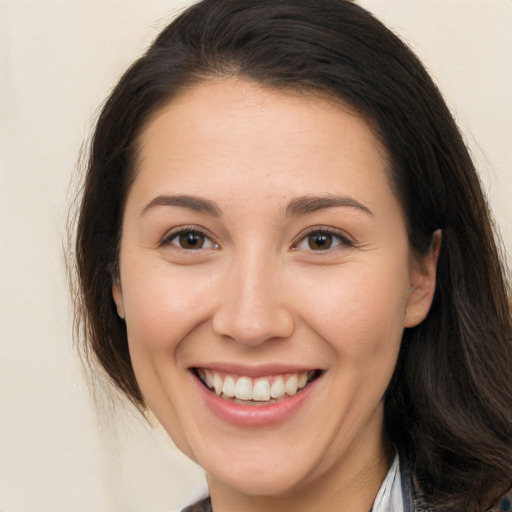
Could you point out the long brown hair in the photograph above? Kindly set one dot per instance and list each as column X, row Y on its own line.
column 449, row 404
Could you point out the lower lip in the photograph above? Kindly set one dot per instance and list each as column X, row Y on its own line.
column 255, row 415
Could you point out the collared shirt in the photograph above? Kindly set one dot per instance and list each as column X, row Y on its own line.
column 389, row 498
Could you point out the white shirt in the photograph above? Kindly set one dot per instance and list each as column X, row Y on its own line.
column 389, row 498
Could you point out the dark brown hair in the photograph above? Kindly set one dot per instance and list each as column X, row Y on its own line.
column 450, row 401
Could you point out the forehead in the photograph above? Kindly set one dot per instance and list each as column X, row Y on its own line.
column 232, row 133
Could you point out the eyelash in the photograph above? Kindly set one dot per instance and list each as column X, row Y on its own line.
column 169, row 238
column 336, row 238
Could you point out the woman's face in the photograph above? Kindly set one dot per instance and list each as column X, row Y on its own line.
column 264, row 254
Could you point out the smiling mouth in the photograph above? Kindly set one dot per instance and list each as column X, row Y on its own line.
column 256, row 391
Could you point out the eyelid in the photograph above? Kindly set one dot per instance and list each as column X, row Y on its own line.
column 187, row 228
column 342, row 236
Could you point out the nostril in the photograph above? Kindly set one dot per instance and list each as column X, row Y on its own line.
column 256, row 326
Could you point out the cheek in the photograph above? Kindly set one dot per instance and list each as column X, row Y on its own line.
column 162, row 304
column 359, row 310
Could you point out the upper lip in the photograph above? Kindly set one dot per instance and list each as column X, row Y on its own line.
column 254, row 371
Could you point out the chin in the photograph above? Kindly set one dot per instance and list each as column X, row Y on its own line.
column 261, row 481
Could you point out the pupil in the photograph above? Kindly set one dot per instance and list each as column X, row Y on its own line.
column 191, row 240
column 320, row 241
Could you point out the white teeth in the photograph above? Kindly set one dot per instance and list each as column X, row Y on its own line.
column 291, row 384
column 217, row 383
column 243, row 389
column 303, row 380
column 229, row 387
column 208, row 379
column 258, row 390
column 277, row 389
column 261, row 391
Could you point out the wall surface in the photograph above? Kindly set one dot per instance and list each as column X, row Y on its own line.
column 59, row 450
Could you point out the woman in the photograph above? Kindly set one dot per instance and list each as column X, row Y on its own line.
column 284, row 252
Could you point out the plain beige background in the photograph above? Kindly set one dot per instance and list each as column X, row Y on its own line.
column 58, row 60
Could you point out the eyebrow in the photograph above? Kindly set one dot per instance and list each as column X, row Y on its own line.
column 194, row 203
column 313, row 203
column 297, row 206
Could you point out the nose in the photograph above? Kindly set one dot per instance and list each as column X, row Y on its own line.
column 253, row 306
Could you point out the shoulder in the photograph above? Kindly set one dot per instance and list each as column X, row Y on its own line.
column 412, row 494
column 503, row 503
column 201, row 506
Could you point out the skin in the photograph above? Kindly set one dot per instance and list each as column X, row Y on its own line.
column 258, row 291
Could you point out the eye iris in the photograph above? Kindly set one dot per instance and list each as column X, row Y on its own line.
column 191, row 240
column 320, row 241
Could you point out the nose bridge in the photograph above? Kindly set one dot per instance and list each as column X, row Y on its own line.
column 253, row 308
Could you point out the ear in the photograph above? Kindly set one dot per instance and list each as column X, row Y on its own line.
column 117, row 294
column 423, row 284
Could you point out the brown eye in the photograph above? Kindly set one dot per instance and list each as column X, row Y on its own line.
column 319, row 241
column 322, row 240
column 191, row 240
